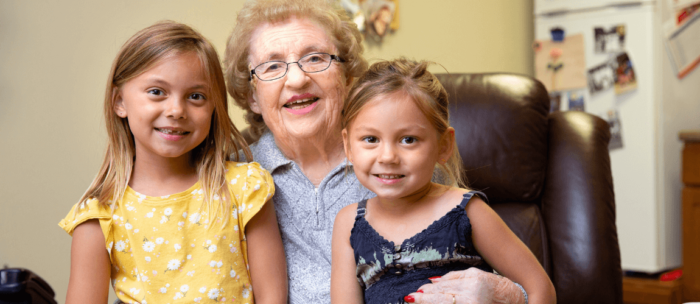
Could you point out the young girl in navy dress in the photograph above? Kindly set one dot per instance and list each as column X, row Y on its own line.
column 398, row 244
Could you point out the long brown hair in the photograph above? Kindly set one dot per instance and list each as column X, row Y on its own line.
column 413, row 78
column 140, row 53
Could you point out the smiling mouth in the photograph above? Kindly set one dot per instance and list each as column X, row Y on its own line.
column 301, row 103
column 172, row 132
column 389, row 176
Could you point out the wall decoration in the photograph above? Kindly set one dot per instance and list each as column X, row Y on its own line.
column 613, row 118
column 554, row 102
column 611, row 40
column 625, row 79
column 601, row 78
column 563, row 69
column 374, row 18
column 576, row 102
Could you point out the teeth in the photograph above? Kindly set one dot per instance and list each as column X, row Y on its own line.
column 389, row 176
column 168, row 131
column 303, row 100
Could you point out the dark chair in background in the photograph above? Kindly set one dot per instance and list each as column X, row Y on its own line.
column 547, row 175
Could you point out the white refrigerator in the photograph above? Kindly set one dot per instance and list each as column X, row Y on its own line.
column 646, row 169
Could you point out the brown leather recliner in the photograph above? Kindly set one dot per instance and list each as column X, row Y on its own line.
column 547, row 175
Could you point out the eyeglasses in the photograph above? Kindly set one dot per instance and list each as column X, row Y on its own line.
column 311, row 63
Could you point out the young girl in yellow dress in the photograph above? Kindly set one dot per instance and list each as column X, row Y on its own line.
column 169, row 219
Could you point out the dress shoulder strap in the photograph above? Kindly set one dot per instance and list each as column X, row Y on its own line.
column 361, row 209
column 467, row 196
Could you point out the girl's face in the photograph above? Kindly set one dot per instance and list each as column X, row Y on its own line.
column 168, row 107
column 393, row 147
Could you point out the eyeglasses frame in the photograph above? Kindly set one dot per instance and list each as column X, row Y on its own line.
column 333, row 57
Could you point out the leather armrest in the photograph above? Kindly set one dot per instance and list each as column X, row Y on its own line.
column 578, row 207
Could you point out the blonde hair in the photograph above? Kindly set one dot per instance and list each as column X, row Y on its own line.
column 421, row 86
column 140, row 53
column 341, row 30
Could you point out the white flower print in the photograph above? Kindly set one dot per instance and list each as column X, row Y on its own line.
column 194, row 218
column 144, row 278
column 189, row 256
column 212, row 264
column 134, row 291
column 149, row 215
column 190, row 273
column 159, row 240
column 235, row 228
column 234, row 181
column 178, row 295
column 173, row 264
column 196, row 300
column 219, row 264
column 148, row 259
column 177, row 247
column 245, row 186
column 240, row 210
column 165, row 196
column 184, row 288
column 216, row 197
column 148, row 246
column 202, row 289
column 233, row 273
column 130, row 208
column 213, row 293
column 256, row 188
column 250, row 206
column 181, row 224
column 168, row 211
column 163, row 290
column 120, row 246
column 115, row 217
column 184, row 215
column 246, row 293
column 250, row 172
column 163, row 219
column 208, row 242
column 212, row 248
column 136, row 231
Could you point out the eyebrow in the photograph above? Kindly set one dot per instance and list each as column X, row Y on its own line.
column 162, row 82
column 307, row 50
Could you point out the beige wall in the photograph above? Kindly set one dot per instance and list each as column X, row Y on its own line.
column 54, row 61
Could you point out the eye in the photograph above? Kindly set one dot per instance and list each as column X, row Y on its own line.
column 408, row 140
column 197, row 96
column 370, row 139
column 157, row 92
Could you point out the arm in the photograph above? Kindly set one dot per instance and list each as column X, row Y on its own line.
column 502, row 249
column 268, row 268
column 89, row 265
column 344, row 285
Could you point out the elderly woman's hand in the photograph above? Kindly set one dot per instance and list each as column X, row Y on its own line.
column 469, row 286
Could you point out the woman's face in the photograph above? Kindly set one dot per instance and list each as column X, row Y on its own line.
column 298, row 105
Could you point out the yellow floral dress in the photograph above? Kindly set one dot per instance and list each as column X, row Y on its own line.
column 165, row 250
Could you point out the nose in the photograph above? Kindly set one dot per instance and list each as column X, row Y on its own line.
column 175, row 108
column 388, row 154
column 296, row 78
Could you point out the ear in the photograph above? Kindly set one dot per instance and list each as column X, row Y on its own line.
column 446, row 145
column 118, row 102
column 346, row 144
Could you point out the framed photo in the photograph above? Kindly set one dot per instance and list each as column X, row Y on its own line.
column 601, row 78
column 625, row 79
column 610, row 40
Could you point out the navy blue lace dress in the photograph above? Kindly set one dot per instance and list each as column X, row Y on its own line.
column 388, row 272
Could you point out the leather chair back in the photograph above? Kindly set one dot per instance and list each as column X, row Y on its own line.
column 547, row 175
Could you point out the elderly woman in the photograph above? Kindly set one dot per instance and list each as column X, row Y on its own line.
column 290, row 64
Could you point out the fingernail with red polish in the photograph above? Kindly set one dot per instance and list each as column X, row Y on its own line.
column 409, row 299
column 433, row 278
column 419, row 291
